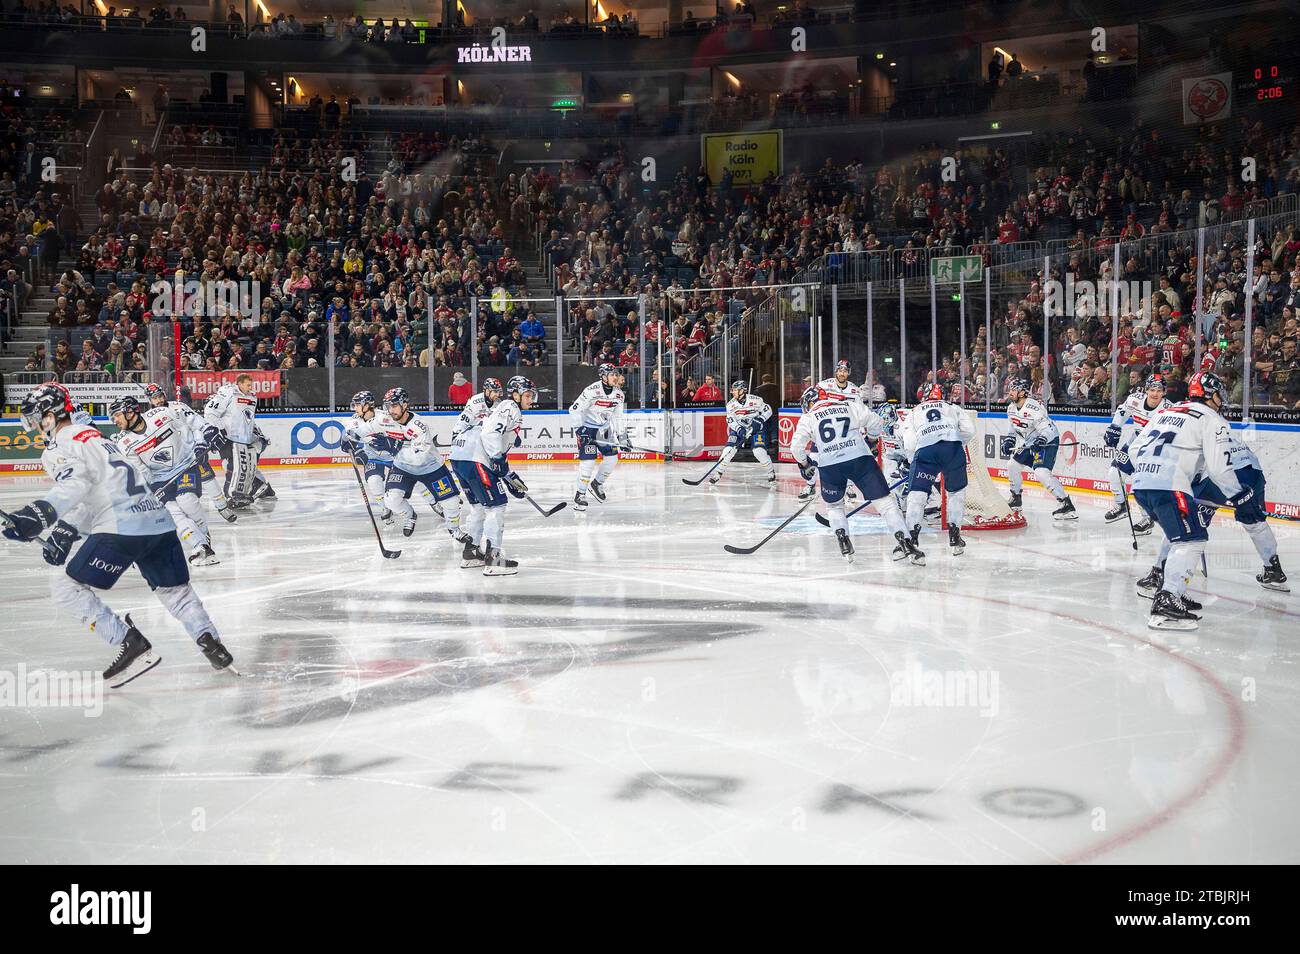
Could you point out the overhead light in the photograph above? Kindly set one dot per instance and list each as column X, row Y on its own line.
column 880, row 56
column 995, row 125
column 732, row 78
column 625, row 97
column 892, row 63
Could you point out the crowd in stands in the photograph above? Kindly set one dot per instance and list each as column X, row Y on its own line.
column 694, row 238
column 405, row 251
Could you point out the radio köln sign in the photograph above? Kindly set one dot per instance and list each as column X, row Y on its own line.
column 498, row 51
column 494, row 54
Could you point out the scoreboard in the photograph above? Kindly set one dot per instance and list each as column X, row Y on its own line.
column 1267, row 80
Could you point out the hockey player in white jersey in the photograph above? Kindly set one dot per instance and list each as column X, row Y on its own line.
column 465, row 440
column 1033, row 443
column 487, row 476
column 1252, row 516
column 76, row 412
column 838, row 386
column 1178, row 444
column 376, row 451
column 747, row 416
column 416, row 462
column 100, row 494
column 229, row 415
column 1138, row 409
column 597, row 418
column 157, row 397
column 934, row 437
column 840, row 430
column 163, row 442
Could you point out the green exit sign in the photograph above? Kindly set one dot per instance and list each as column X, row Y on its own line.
column 995, row 125
column 956, row 268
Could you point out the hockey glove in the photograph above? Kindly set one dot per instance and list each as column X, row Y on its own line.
column 500, row 467
column 1008, row 444
column 27, row 523
column 59, row 543
column 1111, row 437
column 1038, row 443
column 349, row 446
column 808, row 471
column 200, row 456
column 515, row 485
column 1244, row 497
column 212, row 436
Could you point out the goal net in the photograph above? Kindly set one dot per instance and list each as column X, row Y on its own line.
column 986, row 508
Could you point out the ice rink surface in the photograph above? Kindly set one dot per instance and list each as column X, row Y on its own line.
column 635, row 694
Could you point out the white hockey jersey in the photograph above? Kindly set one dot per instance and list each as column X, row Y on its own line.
column 750, row 413
column 498, row 432
column 233, row 411
column 1031, row 422
column 598, row 406
column 1179, row 443
column 378, row 448
column 465, row 435
column 100, row 489
column 931, row 422
column 165, row 445
column 1135, row 410
column 1240, row 455
column 417, row 451
column 835, row 429
column 841, row 392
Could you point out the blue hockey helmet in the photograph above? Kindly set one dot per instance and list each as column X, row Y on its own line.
column 363, row 398
column 395, row 396
column 811, row 397
column 522, row 385
column 1203, row 385
column 43, row 400
column 127, row 404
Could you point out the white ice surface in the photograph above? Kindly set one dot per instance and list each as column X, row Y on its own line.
column 636, row 694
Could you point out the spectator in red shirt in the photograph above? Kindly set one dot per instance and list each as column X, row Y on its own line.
column 629, row 357
column 460, row 390
column 708, row 391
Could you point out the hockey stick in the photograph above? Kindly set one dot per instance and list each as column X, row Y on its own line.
column 785, row 523
column 695, row 483
column 365, row 498
column 547, row 513
column 1128, row 513
column 825, row 522
column 519, row 488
